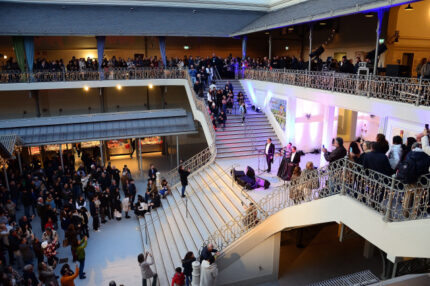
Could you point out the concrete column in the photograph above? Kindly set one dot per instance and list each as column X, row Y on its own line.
column 328, row 130
column 347, row 124
column 61, row 157
column 244, row 43
column 147, row 97
column 291, row 121
column 102, row 99
column 136, row 149
column 35, row 94
column 368, row 249
column 310, row 46
column 383, row 122
column 6, row 178
column 196, row 273
column 18, row 152
column 163, row 97
column 140, row 156
column 270, row 47
column 177, row 150
column 102, row 154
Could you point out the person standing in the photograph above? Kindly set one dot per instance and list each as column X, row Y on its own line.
column 67, row 275
column 184, row 178
column 179, row 277
column 269, row 152
column 145, row 268
column 126, row 206
column 242, row 110
column 152, row 173
column 94, row 211
column 338, row 153
column 187, row 263
column 132, row 191
column 80, row 253
column 208, row 272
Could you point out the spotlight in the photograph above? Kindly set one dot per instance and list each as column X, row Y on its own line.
column 150, row 86
column 5, row 57
column 86, row 88
column 409, row 8
column 118, row 86
column 186, row 47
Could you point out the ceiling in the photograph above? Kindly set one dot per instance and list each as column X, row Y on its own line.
column 254, row 5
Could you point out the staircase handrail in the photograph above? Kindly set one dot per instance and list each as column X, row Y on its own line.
column 388, row 196
column 204, row 157
column 217, row 75
column 407, row 90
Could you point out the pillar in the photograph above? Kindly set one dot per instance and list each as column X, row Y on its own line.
column 35, row 94
column 244, row 42
column 270, row 47
column 383, row 124
column 368, row 249
column 18, row 152
column 291, row 121
column 102, row 99
column 140, row 156
column 61, row 157
column 328, row 130
column 163, row 97
column 347, row 124
column 177, row 150
column 136, row 148
column 310, row 46
column 147, row 98
column 5, row 177
column 196, row 273
column 102, row 154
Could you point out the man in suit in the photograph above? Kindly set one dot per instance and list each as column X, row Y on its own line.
column 269, row 151
column 152, row 173
column 295, row 156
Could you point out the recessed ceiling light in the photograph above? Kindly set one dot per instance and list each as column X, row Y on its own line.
column 186, row 47
column 150, row 86
column 323, row 23
column 368, row 15
column 86, row 88
column 267, row 33
column 291, row 29
column 287, row 48
column 118, row 86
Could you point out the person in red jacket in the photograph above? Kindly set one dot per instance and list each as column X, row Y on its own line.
column 179, row 278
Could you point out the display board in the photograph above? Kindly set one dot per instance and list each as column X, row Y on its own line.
column 278, row 107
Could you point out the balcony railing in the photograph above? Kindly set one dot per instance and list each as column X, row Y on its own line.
column 113, row 74
column 408, row 90
column 392, row 199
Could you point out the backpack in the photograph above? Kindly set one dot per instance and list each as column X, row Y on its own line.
column 407, row 172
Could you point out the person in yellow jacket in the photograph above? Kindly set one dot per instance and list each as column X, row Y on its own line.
column 67, row 275
column 80, row 253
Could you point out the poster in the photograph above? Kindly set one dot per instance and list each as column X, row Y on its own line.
column 278, row 107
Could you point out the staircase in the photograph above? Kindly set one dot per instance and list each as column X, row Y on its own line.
column 235, row 140
column 182, row 225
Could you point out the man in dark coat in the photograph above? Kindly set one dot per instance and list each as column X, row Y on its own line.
column 184, row 178
column 377, row 161
column 152, row 173
column 422, row 160
column 269, row 151
column 338, row 153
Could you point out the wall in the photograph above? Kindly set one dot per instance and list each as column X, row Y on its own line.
column 257, row 265
column 367, row 126
column 410, row 129
column 309, row 132
column 414, row 30
column 17, row 104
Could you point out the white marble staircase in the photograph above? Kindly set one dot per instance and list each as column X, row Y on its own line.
column 182, row 225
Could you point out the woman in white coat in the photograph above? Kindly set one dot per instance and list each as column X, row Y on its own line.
column 208, row 272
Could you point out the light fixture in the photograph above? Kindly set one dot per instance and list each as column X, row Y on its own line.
column 323, row 23
column 381, row 41
column 409, row 8
column 150, row 86
column 287, row 48
column 5, row 57
column 291, row 29
column 368, row 15
column 186, row 47
column 118, row 86
column 267, row 33
column 86, row 88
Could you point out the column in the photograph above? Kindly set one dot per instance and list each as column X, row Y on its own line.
column 140, row 156
column 310, row 46
column 368, row 249
column 136, row 149
column 18, row 152
column 35, row 94
column 177, row 150
column 291, row 121
column 102, row 154
column 163, row 97
column 270, row 46
column 244, row 42
column 5, row 177
column 383, row 124
column 102, row 99
column 61, row 157
column 328, row 130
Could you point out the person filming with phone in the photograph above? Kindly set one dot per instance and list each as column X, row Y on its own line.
column 338, row 153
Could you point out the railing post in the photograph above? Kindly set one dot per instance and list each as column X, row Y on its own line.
column 369, row 80
column 342, row 192
column 196, row 273
column 419, row 91
column 390, row 200
column 332, row 86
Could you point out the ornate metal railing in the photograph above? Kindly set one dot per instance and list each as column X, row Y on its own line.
column 207, row 155
column 408, row 90
column 394, row 200
column 110, row 74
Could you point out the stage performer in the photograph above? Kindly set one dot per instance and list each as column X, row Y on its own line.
column 269, row 151
column 295, row 156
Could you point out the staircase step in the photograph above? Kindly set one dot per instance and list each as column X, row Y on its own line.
column 235, row 134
